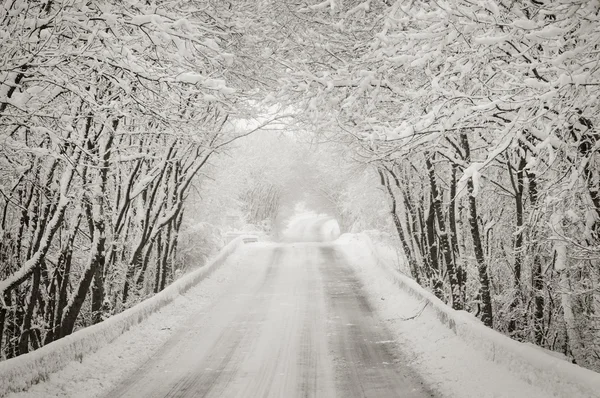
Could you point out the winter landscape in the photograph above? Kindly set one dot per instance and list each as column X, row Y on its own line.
column 300, row 198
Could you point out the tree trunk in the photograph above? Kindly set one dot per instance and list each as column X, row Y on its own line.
column 410, row 223
column 170, row 255
column 151, row 213
column 159, row 263
column 519, row 189
column 537, row 277
column 436, row 196
column 461, row 274
column 399, row 229
column 432, row 253
column 33, row 298
column 575, row 342
column 3, row 313
column 486, row 299
column 11, row 300
column 57, row 218
column 97, row 256
column 74, row 307
column 139, row 281
column 65, row 260
column 98, row 294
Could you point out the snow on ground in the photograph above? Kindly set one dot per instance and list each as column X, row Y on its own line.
column 454, row 366
column 446, row 362
column 308, row 226
column 98, row 372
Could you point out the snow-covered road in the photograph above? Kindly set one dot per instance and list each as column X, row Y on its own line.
column 295, row 319
column 298, row 325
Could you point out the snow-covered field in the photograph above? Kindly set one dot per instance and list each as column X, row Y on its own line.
column 471, row 361
column 93, row 374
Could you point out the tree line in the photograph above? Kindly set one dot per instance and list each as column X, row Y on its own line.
column 108, row 111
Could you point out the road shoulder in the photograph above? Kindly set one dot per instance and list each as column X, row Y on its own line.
column 91, row 377
column 448, row 364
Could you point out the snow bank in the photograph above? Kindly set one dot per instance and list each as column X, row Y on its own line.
column 311, row 227
column 19, row 373
column 535, row 366
column 330, row 230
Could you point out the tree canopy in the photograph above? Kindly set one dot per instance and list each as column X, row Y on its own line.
column 472, row 124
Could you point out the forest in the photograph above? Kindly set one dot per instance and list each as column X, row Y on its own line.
column 465, row 132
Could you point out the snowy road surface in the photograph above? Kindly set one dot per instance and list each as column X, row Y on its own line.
column 298, row 326
column 294, row 320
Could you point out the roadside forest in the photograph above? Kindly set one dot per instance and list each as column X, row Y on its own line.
column 472, row 124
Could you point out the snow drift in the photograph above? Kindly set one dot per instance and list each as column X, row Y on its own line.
column 530, row 363
column 19, row 373
column 311, row 227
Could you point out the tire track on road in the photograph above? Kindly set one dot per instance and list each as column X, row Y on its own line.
column 367, row 365
column 229, row 343
column 241, row 323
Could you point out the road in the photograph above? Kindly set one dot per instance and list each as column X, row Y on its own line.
column 299, row 326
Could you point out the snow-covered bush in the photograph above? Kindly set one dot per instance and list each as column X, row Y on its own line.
column 197, row 243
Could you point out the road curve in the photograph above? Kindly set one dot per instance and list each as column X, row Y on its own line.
column 300, row 326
